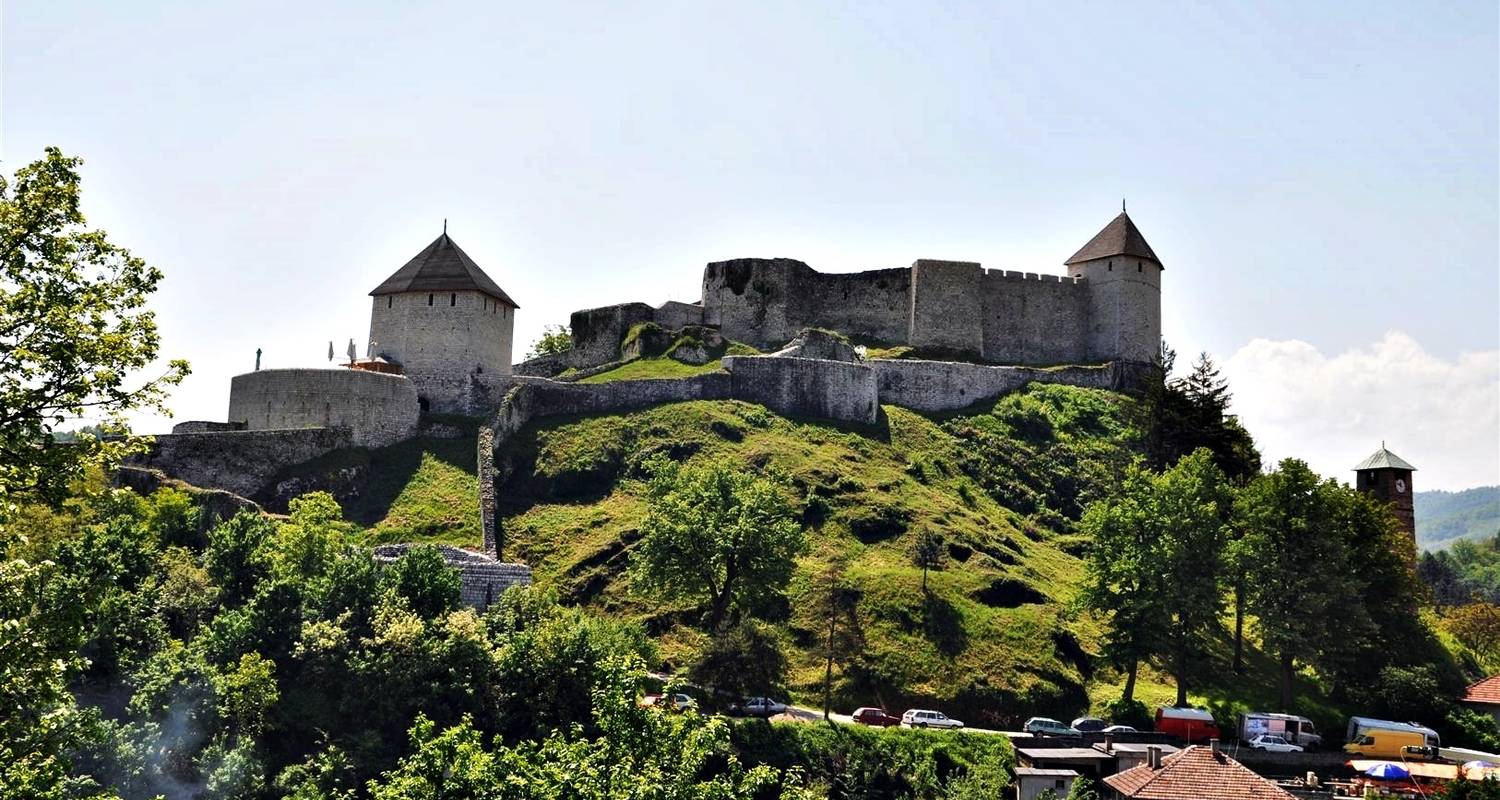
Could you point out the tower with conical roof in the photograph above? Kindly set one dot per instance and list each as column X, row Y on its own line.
column 446, row 323
column 1123, row 278
column 1387, row 477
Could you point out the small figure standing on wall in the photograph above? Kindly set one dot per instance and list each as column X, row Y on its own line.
column 353, row 353
column 330, row 351
column 257, row 359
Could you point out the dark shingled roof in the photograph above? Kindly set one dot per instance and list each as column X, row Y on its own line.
column 442, row 267
column 1119, row 238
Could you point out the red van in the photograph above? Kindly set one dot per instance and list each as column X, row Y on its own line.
column 1192, row 725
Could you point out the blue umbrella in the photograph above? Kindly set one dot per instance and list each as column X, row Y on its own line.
column 1387, row 771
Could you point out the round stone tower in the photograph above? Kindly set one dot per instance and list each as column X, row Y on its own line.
column 447, row 324
column 1122, row 277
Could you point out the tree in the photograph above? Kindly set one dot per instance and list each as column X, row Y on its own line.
column 424, row 579
column 928, row 553
column 1301, row 586
column 73, row 333
column 837, row 600
column 1155, row 562
column 715, row 532
column 556, row 339
column 742, row 660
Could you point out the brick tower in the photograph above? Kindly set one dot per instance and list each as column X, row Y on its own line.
column 1387, row 477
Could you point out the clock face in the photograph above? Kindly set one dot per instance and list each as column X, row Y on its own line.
column 1400, row 486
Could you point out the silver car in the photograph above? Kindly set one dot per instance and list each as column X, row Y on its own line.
column 923, row 718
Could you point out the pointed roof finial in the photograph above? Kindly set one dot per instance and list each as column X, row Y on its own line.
column 445, row 226
column 1122, row 205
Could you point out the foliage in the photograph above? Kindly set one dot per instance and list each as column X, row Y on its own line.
column 1154, row 564
column 843, row 761
column 928, row 553
column 1467, row 572
column 1444, row 518
column 73, row 333
column 1487, row 789
column 742, row 660
column 555, row 339
column 1192, row 412
column 718, row 533
column 1363, row 585
column 639, row 753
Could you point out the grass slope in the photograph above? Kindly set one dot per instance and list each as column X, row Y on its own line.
column 995, row 635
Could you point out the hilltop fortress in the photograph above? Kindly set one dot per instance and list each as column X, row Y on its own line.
column 951, row 334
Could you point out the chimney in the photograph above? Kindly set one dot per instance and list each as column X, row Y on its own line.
column 1213, row 745
column 1109, row 742
column 1153, row 757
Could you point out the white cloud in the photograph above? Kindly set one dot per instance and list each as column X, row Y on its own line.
column 1332, row 411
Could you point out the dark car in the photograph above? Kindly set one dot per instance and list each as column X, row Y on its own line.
column 875, row 717
column 1089, row 724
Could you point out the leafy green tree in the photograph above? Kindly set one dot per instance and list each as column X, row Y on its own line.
column 928, row 553
column 743, row 660
column 74, row 332
column 715, row 532
column 1155, row 563
column 238, row 556
column 1299, row 565
column 429, row 586
column 555, row 339
column 640, row 754
column 245, row 695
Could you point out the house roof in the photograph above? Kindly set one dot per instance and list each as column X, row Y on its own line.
column 1119, row 238
column 1384, row 459
column 1486, row 691
column 1036, row 755
column 442, row 267
column 1195, row 773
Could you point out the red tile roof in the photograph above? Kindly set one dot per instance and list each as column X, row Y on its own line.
column 1196, row 773
column 1486, row 691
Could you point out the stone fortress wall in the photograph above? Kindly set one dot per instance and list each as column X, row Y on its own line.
column 377, row 409
column 1096, row 313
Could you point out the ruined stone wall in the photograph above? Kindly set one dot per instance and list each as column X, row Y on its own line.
column 765, row 302
column 378, row 409
column 242, row 462
column 597, row 331
column 1028, row 318
column 939, row 386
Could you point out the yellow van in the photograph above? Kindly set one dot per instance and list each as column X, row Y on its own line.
column 1377, row 743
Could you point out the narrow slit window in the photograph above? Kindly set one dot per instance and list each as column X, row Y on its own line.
column 453, row 299
column 429, row 299
column 389, row 300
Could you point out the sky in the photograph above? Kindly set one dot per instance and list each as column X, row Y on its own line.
column 1321, row 180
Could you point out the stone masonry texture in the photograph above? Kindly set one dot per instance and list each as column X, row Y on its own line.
column 377, row 409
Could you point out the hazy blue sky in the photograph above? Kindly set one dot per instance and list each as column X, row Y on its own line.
column 1320, row 179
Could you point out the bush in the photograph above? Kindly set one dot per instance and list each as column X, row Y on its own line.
column 1129, row 712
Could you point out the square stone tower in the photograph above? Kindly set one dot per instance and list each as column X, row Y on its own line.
column 447, row 324
column 1387, row 477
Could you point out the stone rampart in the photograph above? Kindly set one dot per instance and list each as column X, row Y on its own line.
column 940, row 386
column 242, row 462
column 376, row 408
column 1033, row 319
column 767, row 301
column 804, row 387
column 206, row 426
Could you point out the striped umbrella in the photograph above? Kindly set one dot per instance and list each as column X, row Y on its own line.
column 1387, row 771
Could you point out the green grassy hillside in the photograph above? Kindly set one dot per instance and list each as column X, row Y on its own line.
column 1446, row 517
column 997, row 639
column 996, row 632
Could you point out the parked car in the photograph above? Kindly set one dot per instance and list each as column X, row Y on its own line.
column 923, row 718
column 1119, row 729
column 1294, row 729
column 1272, row 743
column 1089, row 725
column 757, row 707
column 1042, row 726
column 674, row 702
column 876, row 717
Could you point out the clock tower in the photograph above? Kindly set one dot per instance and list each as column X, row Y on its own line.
column 1387, row 477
